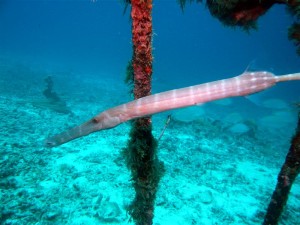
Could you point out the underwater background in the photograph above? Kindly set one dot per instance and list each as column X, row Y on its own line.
column 221, row 158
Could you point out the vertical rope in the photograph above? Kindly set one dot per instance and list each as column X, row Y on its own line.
column 140, row 153
column 285, row 180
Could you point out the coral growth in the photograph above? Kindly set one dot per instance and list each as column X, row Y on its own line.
column 146, row 171
column 294, row 34
column 129, row 78
column 294, row 30
column 243, row 13
column 182, row 3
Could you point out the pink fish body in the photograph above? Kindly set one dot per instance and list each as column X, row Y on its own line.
column 242, row 85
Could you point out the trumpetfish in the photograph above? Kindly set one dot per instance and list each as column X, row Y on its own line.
column 245, row 84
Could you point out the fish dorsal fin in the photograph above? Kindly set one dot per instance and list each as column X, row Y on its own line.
column 253, row 66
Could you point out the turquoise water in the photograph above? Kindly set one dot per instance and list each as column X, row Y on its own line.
column 221, row 158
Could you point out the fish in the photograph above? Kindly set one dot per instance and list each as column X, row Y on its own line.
column 243, row 85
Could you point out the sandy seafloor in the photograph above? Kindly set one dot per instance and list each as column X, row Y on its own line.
column 221, row 159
